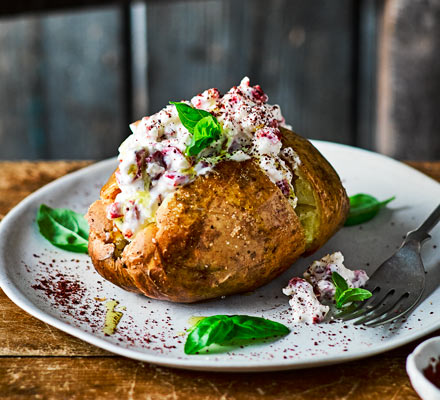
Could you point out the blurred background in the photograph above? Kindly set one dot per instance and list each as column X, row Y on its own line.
column 73, row 74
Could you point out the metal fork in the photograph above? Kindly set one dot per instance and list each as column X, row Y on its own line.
column 398, row 284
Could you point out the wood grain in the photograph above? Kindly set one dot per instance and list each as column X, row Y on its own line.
column 116, row 378
column 300, row 53
column 67, row 90
column 430, row 168
column 17, row 330
column 19, row 179
column 20, row 111
column 365, row 60
column 409, row 80
column 62, row 86
column 39, row 361
column 305, row 60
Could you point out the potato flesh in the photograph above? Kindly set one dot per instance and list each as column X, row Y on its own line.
column 306, row 207
column 324, row 215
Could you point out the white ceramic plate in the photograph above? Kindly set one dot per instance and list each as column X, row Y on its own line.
column 34, row 274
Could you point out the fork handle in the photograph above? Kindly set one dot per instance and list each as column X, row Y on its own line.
column 431, row 221
column 421, row 233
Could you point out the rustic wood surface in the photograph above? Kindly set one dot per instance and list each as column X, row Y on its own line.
column 62, row 85
column 39, row 361
column 65, row 76
column 409, row 79
column 299, row 52
column 357, row 72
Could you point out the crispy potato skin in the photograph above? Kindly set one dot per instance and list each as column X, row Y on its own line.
column 228, row 232
column 102, row 250
column 111, row 189
column 333, row 203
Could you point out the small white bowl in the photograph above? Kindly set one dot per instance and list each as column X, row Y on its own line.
column 417, row 361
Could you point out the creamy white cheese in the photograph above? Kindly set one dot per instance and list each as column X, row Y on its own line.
column 305, row 306
column 153, row 164
column 317, row 287
column 319, row 274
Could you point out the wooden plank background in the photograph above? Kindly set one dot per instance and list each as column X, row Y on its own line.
column 409, row 78
column 364, row 73
column 61, row 85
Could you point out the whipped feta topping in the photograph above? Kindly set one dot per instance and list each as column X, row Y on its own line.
column 305, row 306
column 317, row 287
column 319, row 274
column 153, row 162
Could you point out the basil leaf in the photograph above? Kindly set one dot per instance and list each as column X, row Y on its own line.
column 338, row 292
column 345, row 294
column 189, row 116
column 351, row 295
column 339, row 282
column 206, row 131
column 206, row 332
column 223, row 329
column 203, row 126
column 247, row 327
column 64, row 228
column 364, row 207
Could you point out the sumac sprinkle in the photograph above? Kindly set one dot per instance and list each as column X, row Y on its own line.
column 63, row 291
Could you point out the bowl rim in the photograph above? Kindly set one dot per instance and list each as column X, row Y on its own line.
column 415, row 373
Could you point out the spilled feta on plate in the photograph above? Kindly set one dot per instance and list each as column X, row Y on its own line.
column 309, row 294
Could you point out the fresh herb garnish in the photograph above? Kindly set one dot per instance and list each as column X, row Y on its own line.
column 189, row 116
column 225, row 329
column 206, row 131
column 63, row 228
column 345, row 294
column 203, row 126
column 364, row 207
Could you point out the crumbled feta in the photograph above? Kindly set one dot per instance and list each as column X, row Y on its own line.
column 305, row 305
column 307, row 294
column 319, row 274
column 267, row 141
column 153, row 164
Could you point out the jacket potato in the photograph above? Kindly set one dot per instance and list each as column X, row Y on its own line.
column 228, row 231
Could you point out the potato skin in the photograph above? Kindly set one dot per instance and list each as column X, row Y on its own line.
column 228, row 232
column 330, row 195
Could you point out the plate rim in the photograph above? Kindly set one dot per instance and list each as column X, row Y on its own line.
column 20, row 299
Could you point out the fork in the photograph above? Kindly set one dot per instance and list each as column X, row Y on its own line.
column 398, row 284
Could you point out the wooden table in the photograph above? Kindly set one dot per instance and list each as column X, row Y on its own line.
column 38, row 361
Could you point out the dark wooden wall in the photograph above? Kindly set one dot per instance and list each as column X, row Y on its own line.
column 72, row 80
column 409, row 79
column 61, row 86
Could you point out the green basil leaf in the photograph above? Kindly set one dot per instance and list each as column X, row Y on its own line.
column 223, row 329
column 208, row 331
column 206, row 131
column 358, row 294
column 345, row 294
column 351, row 295
column 247, row 327
column 364, row 207
column 63, row 228
column 189, row 116
column 338, row 292
column 339, row 282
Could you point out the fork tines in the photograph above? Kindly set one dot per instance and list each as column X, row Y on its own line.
column 398, row 284
column 381, row 308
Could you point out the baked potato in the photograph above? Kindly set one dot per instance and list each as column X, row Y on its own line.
column 229, row 231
